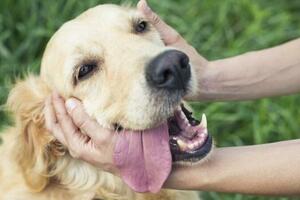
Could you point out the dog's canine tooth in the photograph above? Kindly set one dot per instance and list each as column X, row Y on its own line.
column 203, row 123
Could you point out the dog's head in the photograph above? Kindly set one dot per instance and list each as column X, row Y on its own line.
column 114, row 61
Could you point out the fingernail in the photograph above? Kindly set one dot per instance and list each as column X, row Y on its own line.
column 147, row 9
column 71, row 104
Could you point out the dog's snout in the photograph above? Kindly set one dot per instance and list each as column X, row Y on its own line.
column 169, row 70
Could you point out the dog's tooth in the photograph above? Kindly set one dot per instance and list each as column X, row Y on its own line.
column 199, row 143
column 182, row 145
column 191, row 146
column 203, row 123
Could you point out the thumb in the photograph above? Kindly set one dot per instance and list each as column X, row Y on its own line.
column 169, row 35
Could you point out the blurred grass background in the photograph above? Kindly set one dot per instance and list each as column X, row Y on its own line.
column 216, row 28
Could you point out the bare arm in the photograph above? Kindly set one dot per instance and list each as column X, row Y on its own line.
column 269, row 169
column 270, row 72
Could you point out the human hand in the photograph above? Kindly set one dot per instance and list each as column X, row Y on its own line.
column 172, row 38
column 83, row 136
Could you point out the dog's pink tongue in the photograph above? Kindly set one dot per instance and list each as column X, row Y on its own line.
column 144, row 158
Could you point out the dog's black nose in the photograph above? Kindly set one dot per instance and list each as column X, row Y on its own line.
column 169, row 70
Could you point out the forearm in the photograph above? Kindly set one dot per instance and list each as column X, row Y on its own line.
column 270, row 72
column 271, row 169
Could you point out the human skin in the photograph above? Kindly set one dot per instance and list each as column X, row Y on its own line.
column 268, row 169
column 265, row 73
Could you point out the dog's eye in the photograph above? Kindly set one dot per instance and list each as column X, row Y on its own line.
column 85, row 70
column 141, row 26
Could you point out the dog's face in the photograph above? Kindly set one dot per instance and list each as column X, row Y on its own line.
column 103, row 56
column 115, row 62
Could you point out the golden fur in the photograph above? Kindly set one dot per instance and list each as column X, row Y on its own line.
column 34, row 166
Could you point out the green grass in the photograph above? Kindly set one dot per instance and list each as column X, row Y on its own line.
column 216, row 28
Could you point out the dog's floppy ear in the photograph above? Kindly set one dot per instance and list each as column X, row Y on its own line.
column 26, row 102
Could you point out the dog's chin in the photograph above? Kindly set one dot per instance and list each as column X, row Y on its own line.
column 189, row 140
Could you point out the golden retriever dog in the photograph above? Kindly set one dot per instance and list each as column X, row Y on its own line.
column 114, row 61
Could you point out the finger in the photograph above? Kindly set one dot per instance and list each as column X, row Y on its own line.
column 59, row 107
column 167, row 33
column 84, row 121
column 76, row 141
column 49, row 114
column 51, row 121
column 78, row 147
column 69, row 129
column 58, row 134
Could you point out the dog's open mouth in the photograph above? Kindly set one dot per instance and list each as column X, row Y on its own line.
column 189, row 139
column 145, row 157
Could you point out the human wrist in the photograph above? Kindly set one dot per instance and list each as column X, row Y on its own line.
column 203, row 177
column 208, row 82
column 224, row 80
